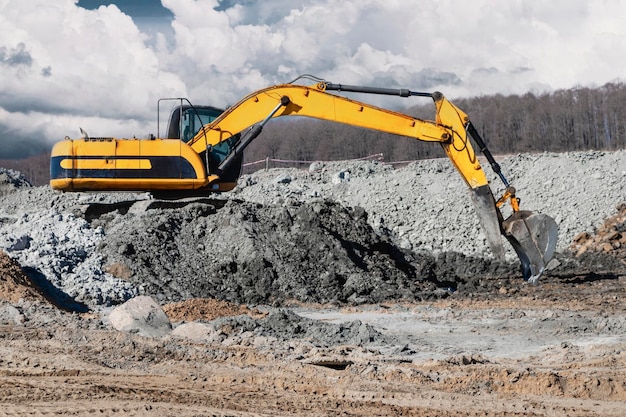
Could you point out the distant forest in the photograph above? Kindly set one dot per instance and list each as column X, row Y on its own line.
column 579, row 118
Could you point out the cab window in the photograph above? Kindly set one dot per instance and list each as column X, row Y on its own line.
column 194, row 119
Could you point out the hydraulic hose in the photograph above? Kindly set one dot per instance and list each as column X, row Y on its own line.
column 483, row 148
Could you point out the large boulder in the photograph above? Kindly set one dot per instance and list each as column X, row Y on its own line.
column 141, row 315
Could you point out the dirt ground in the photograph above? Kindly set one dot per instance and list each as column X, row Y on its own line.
column 510, row 349
column 58, row 363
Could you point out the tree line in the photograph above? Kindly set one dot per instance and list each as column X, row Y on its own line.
column 566, row 120
column 575, row 119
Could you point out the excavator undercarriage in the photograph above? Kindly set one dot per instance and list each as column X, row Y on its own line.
column 203, row 153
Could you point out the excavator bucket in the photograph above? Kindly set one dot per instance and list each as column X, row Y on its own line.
column 533, row 236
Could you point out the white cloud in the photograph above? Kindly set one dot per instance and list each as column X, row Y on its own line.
column 61, row 62
column 82, row 62
column 469, row 48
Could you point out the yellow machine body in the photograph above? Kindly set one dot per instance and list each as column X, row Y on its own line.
column 108, row 164
column 171, row 164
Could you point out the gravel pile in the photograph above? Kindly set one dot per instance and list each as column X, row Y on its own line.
column 11, row 180
column 45, row 233
column 343, row 232
column 427, row 208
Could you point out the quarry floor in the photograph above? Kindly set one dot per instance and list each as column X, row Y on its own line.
column 555, row 349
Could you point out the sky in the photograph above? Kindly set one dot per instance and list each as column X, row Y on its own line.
column 102, row 65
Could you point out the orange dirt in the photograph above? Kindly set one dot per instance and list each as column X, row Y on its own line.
column 206, row 309
column 14, row 284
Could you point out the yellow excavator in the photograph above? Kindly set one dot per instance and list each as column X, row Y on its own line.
column 203, row 154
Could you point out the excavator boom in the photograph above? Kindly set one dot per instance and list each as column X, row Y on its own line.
column 209, row 161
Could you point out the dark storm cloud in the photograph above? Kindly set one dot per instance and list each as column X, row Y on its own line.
column 17, row 56
column 14, row 145
column 430, row 78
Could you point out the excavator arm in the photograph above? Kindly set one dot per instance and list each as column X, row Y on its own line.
column 295, row 100
column 201, row 165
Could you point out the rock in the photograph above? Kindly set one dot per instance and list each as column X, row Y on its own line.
column 342, row 176
column 283, row 179
column 196, row 331
column 21, row 243
column 10, row 315
column 141, row 315
column 292, row 234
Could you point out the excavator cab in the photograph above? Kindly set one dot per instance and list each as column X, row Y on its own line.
column 186, row 120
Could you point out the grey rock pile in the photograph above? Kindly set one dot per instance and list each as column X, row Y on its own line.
column 341, row 232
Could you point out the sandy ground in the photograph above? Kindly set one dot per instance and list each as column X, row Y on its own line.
column 557, row 349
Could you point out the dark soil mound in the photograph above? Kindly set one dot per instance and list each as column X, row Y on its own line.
column 244, row 252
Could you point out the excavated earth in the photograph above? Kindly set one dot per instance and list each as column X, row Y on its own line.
column 350, row 288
